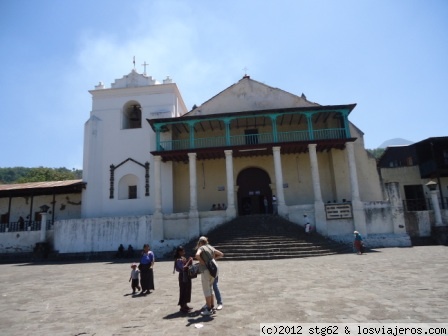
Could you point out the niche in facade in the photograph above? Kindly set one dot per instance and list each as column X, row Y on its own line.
column 127, row 187
column 128, row 184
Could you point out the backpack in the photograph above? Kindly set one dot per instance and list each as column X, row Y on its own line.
column 207, row 256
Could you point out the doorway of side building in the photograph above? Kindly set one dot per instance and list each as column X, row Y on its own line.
column 415, row 198
column 253, row 187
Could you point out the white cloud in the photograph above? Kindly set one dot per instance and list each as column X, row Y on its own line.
column 200, row 51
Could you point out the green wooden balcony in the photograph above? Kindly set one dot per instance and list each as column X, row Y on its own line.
column 252, row 139
column 251, row 133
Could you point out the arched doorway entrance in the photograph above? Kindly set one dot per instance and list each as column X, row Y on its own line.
column 253, row 187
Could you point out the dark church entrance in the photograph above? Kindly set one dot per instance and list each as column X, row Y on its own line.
column 253, row 187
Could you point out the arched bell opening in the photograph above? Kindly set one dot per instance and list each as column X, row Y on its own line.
column 132, row 115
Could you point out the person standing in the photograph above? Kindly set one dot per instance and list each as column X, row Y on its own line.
column 120, row 252
column 204, row 253
column 21, row 223
column 135, row 273
column 358, row 243
column 217, row 293
column 181, row 266
column 130, row 253
column 307, row 224
column 146, row 270
column 265, row 204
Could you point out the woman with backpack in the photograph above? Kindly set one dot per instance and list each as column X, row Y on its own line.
column 207, row 255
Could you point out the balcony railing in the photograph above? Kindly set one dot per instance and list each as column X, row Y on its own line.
column 293, row 136
column 26, row 226
column 252, row 139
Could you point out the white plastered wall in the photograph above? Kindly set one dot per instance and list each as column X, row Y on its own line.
column 107, row 143
column 333, row 173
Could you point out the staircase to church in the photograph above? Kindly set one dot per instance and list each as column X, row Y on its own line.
column 267, row 237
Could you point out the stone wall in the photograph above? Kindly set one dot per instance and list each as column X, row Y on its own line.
column 22, row 241
column 101, row 234
column 106, row 234
column 379, row 224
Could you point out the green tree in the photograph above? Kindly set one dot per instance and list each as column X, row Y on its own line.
column 377, row 152
column 12, row 174
column 40, row 174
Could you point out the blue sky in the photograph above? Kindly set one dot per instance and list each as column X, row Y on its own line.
column 389, row 57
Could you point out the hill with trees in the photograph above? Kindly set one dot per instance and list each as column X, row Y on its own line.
column 41, row 174
column 377, row 152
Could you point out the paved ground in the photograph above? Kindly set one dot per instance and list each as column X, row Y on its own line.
column 386, row 285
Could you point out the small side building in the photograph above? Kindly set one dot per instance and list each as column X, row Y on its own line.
column 25, row 207
column 413, row 167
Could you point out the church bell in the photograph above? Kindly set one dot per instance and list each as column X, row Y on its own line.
column 134, row 115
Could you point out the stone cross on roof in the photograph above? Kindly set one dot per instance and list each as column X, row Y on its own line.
column 144, row 67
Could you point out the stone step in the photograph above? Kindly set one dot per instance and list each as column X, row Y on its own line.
column 258, row 240
column 268, row 237
column 273, row 244
column 277, row 252
column 275, row 256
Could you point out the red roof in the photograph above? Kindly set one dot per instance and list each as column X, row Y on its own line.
column 41, row 188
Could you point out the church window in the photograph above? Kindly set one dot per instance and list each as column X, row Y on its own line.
column 132, row 192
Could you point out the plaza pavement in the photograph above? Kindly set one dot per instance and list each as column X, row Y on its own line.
column 385, row 285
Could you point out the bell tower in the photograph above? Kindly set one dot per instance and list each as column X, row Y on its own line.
column 117, row 164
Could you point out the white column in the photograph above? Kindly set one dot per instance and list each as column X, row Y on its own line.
column 352, row 171
column 193, row 182
column 359, row 215
column 157, row 184
column 315, row 173
column 436, row 207
column 194, row 228
column 319, row 208
column 43, row 227
column 157, row 226
column 230, row 211
column 282, row 208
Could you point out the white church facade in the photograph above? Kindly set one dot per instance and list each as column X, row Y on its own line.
column 153, row 170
